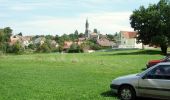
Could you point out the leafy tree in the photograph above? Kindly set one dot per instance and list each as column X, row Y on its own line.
column 110, row 37
column 32, row 46
column 95, row 30
column 49, row 37
column 81, row 35
column 152, row 23
column 5, row 35
column 76, row 33
column 43, row 48
column 73, row 37
column 65, row 37
column 75, row 48
column 160, row 40
column 16, row 48
column 1, row 35
column 90, row 44
column 56, row 38
column 20, row 34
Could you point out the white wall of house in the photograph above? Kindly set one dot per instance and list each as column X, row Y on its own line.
column 129, row 43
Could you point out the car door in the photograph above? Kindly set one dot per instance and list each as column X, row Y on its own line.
column 156, row 83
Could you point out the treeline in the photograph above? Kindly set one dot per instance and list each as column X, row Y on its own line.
column 47, row 43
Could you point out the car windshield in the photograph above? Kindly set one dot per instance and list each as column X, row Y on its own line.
column 139, row 74
column 166, row 58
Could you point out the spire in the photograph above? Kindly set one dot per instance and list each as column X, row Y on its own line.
column 87, row 24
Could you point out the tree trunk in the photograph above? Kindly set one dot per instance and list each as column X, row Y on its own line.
column 164, row 49
column 143, row 46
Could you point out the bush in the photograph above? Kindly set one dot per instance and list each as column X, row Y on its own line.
column 16, row 48
column 31, row 46
column 74, row 48
column 43, row 48
column 90, row 45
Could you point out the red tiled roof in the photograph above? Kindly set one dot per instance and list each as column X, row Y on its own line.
column 128, row 34
column 67, row 44
column 104, row 42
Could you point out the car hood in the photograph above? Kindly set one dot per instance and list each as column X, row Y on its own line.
column 131, row 79
column 155, row 61
column 128, row 76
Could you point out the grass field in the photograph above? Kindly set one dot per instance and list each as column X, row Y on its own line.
column 67, row 76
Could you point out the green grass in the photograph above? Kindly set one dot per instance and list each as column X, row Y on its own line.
column 67, row 76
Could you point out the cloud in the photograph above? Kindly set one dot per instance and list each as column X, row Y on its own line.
column 108, row 22
column 65, row 16
column 21, row 8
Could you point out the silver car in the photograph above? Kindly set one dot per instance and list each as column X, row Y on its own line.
column 153, row 82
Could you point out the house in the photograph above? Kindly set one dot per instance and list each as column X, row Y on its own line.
column 94, row 36
column 23, row 40
column 39, row 40
column 105, row 42
column 67, row 44
column 128, row 40
column 26, row 40
column 53, row 43
column 14, row 39
column 81, row 39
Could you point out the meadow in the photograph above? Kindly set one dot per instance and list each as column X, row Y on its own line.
column 55, row 76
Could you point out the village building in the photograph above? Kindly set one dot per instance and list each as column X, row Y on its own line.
column 67, row 44
column 128, row 40
column 105, row 42
column 89, row 34
column 39, row 40
column 23, row 40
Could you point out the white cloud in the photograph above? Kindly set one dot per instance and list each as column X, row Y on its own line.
column 108, row 22
column 21, row 8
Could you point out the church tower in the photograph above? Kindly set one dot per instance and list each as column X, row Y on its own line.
column 87, row 28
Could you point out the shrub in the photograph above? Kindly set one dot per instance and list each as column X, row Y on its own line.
column 32, row 46
column 75, row 48
column 43, row 48
column 16, row 48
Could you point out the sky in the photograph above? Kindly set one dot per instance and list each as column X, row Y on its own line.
column 51, row 17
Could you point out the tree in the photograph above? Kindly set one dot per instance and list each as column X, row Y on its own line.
column 56, row 38
column 1, row 35
column 95, row 31
column 76, row 32
column 81, row 35
column 20, row 34
column 110, row 37
column 152, row 23
column 16, row 48
column 75, row 48
column 5, row 35
column 49, row 37
column 43, row 48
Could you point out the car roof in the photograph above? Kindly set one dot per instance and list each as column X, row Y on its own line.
column 164, row 63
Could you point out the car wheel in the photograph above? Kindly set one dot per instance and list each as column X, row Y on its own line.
column 127, row 93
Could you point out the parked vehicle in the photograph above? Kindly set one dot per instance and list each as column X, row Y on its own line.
column 153, row 82
column 154, row 62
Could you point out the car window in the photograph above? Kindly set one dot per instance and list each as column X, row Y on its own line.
column 160, row 72
column 168, row 59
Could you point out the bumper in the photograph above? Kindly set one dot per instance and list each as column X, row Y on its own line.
column 114, row 88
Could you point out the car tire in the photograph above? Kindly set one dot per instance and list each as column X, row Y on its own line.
column 127, row 93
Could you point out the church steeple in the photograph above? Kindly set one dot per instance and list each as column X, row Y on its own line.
column 87, row 28
column 87, row 24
